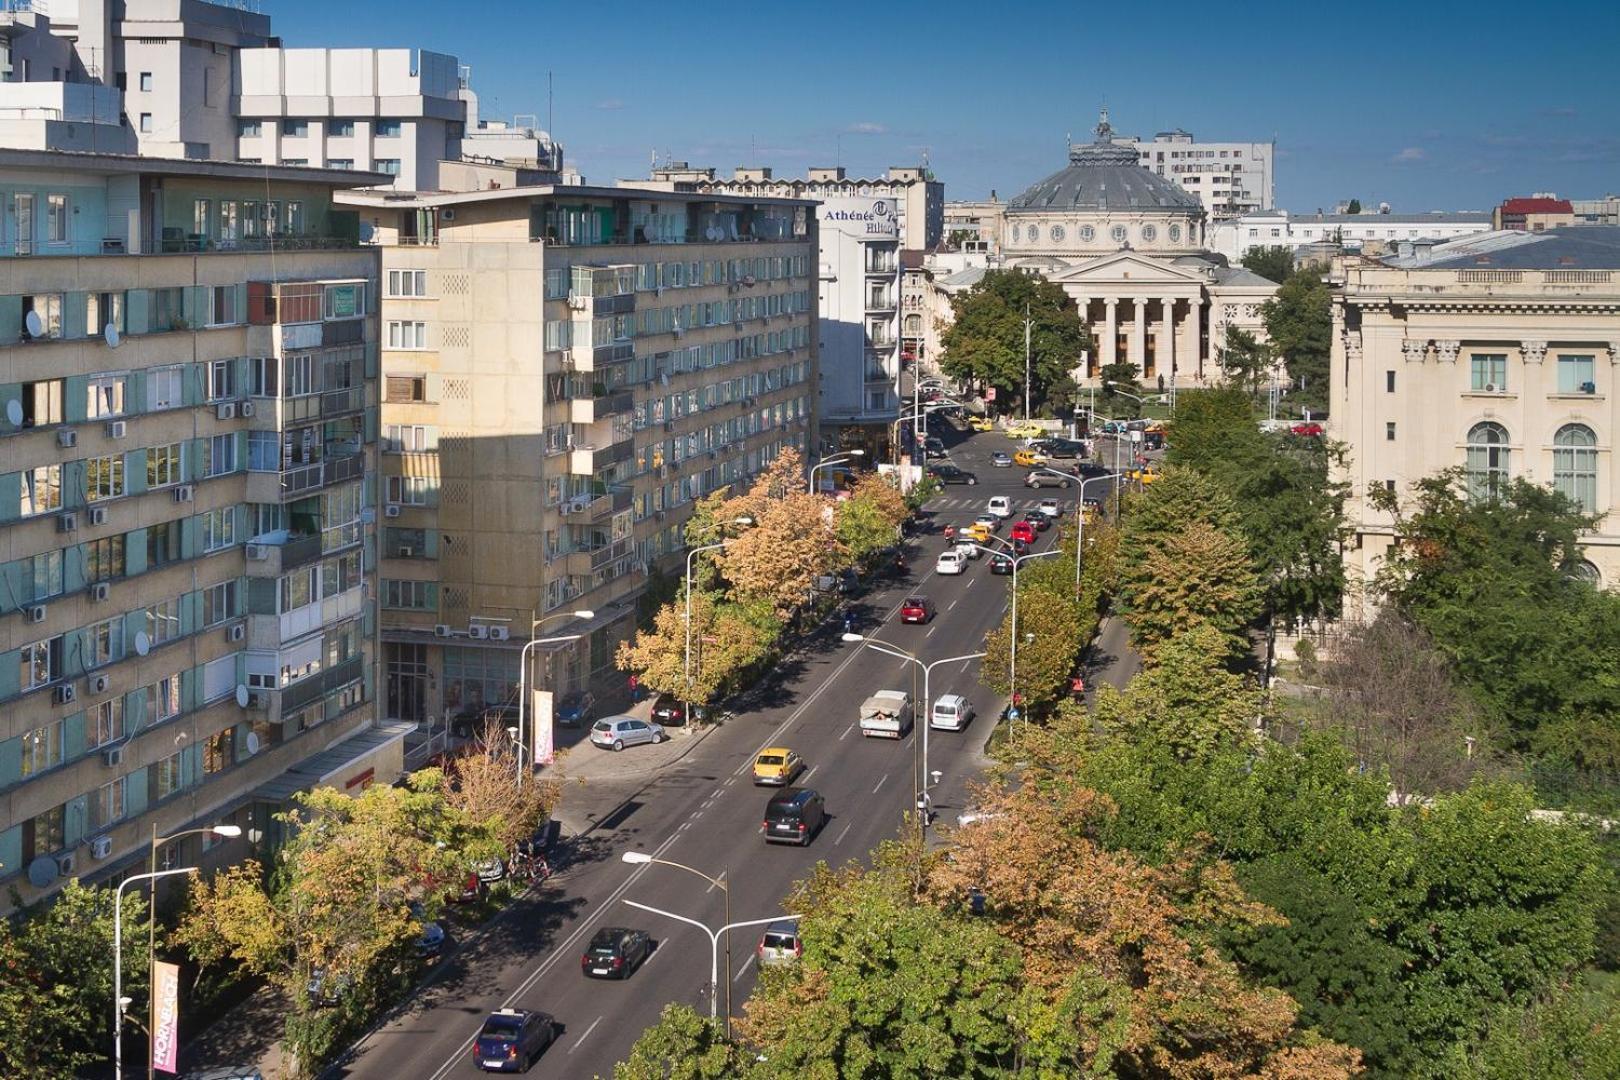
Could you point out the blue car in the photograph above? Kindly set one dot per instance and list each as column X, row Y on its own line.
column 511, row 1039
column 575, row 709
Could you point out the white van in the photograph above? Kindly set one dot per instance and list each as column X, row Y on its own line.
column 952, row 712
column 1001, row 506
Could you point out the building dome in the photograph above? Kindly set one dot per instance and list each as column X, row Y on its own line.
column 1104, row 177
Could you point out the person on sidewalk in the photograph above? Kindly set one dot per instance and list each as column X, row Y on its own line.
column 635, row 689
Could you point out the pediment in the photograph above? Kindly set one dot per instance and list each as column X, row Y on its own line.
column 1130, row 266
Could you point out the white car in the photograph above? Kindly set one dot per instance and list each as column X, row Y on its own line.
column 952, row 712
column 989, row 521
column 1001, row 506
column 967, row 549
column 1051, row 508
column 950, row 562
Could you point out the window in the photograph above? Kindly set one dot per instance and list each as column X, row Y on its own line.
column 41, row 490
column 345, row 301
column 222, row 380
column 295, row 129
column 219, row 529
column 406, row 594
column 340, row 128
column 409, row 490
column 56, row 219
column 104, row 559
column 167, row 309
column 104, row 396
column 1389, row 431
column 162, row 544
column 146, row 82
column 386, row 128
column 165, row 697
column 405, row 438
column 163, row 621
column 48, row 306
column 407, row 335
column 1389, row 382
column 104, row 478
column 42, row 748
column 110, row 801
column 104, row 642
column 44, row 575
column 1575, row 465
column 1149, row 233
column 386, row 165
column 42, row 402
column 222, row 306
column 261, row 376
column 402, row 389
column 340, row 163
column 298, row 161
column 1575, row 375
column 1117, row 233
column 264, row 451
column 219, row 750
column 219, row 603
column 107, row 721
column 407, row 283
column 163, row 388
column 104, row 310
column 146, row 122
column 166, row 778
column 1487, row 373
column 405, row 543
column 40, row 663
column 163, row 465
column 249, row 129
column 1487, row 464
column 220, row 455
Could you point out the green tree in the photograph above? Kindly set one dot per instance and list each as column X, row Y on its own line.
column 1354, row 207
column 1186, row 700
column 683, row 1046
column 985, row 342
column 1052, row 630
column 1299, row 322
column 1274, row 263
column 869, row 520
column 1570, row 1034
column 727, row 639
column 1245, row 360
column 1119, row 380
column 1199, row 577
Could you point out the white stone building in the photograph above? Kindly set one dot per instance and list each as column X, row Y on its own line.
column 1351, row 232
column 1229, row 178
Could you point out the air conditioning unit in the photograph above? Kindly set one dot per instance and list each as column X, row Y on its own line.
column 669, row 425
column 678, row 331
column 67, row 438
column 658, row 515
column 36, row 613
column 258, row 700
column 1490, row 388
column 235, row 632
column 441, row 630
column 1588, row 387
column 64, row 864
column 578, row 302
column 98, row 515
column 478, row 632
column 737, row 326
column 748, row 279
column 112, row 756
column 64, row 694
column 100, row 591
column 579, row 504
column 447, row 214
column 245, row 409
column 258, row 552
column 67, row 522
column 405, row 552
column 101, row 847
column 117, row 429
column 99, row 684
column 184, row 493
column 500, row 633
column 391, row 510
column 226, row 410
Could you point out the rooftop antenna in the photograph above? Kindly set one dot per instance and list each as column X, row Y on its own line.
column 550, row 128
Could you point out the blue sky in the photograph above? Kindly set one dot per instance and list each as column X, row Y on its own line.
column 1423, row 105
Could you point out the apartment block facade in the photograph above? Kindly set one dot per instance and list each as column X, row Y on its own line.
column 188, row 361
column 566, row 371
column 1230, row 178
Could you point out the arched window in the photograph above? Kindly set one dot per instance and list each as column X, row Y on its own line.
column 913, row 325
column 1575, row 465
column 1487, row 459
column 1583, row 570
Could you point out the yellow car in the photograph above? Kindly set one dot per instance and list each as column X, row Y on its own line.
column 979, row 534
column 1029, row 459
column 1144, row 476
column 777, row 766
column 981, row 423
column 1025, row 431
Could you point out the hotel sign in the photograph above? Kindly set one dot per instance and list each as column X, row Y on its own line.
column 876, row 219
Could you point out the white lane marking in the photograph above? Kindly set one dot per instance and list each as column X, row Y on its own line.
column 847, row 731
column 716, row 794
column 684, row 826
column 880, row 783
column 710, row 889
column 748, row 963
column 931, row 630
column 951, row 604
column 970, row 582
column 811, row 772
column 586, row 1035
column 843, row 834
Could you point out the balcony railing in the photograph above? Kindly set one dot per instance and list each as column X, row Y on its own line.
column 317, row 686
column 331, row 471
column 596, row 507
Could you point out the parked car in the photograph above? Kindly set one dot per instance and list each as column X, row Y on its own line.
column 777, row 766
column 490, row 871
column 1051, row 508
column 1040, row 478
column 952, row 712
column 1000, row 506
column 1025, row 431
column 618, row 732
column 981, row 423
column 511, row 1039
column 1001, row 459
column 916, row 609
column 671, row 711
column 615, row 952
column 1029, row 459
column 950, row 562
column 430, row 942
column 1001, row 564
column 780, row 943
column 793, row 816
column 575, row 708
column 934, row 446
column 950, row 474
column 1038, row 520
column 1023, row 532
column 1310, row 430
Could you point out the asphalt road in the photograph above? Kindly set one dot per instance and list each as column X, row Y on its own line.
column 705, row 812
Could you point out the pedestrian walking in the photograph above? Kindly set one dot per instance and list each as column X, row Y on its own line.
column 635, row 689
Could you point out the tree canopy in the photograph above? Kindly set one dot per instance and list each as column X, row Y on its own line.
column 1299, row 322
column 1275, row 263
column 985, row 343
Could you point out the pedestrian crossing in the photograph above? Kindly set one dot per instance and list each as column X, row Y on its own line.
column 977, row 503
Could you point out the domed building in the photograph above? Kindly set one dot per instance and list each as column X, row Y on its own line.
column 1128, row 246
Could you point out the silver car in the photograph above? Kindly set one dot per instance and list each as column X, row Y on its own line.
column 780, row 944
column 618, row 732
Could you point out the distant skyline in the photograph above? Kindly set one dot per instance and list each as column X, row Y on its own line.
column 1426, row 109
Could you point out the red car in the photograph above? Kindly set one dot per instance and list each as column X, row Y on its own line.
column 1312, row 430
column 1023, row 531
column 916, row 609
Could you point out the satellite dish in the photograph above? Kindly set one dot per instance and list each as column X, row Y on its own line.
column 110, row 332
column 33, row 324
column 252, row 743
column 42, row 871
column 242, row 694
column 14, row 412
column 143, row 644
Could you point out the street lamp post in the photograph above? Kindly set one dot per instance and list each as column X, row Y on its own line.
column 1080, row 516
column 837, row 459
column 686, row 669
column 119, row 1001
column 523, row 667
column 714, row 950
column 1012, row 660
column 927, row 702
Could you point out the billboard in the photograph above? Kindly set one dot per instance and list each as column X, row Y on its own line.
column 542, row 750
column 869, row 218
column 165, row 1016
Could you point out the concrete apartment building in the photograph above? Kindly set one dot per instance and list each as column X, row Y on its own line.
column 187, row 492
column 1497, row 353
column 1230, row 178
column 1373, row 233
column 567, row 369
column 974, row 226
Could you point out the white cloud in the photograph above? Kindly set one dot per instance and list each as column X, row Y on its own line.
column 609, row 104
column 1411, row 153
column 867, row 127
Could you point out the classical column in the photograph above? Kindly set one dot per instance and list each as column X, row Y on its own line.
column 1167, row 338
column 1110, row 347
column 1139, row 334
column 1190, row 350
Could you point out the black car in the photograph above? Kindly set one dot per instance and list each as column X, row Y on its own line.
column 614, row 952
column 1001, row 564
column 1037, row 520
column 793, row 816
column 934, row 446
column 670, row 711
column 1065, row 449
column 1090, row 469
column 511, row 1039
column 950, row 474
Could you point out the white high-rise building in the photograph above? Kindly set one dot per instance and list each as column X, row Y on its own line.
column 1229, row 178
